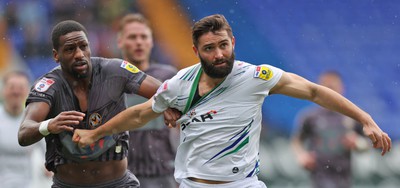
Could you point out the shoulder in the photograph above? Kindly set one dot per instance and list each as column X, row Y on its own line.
column 113, row 65
column 183, row 79
column 188, row 73
column 50, row 80
column 256, row 74
column 105, row 62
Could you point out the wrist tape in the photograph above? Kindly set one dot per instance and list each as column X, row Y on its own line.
column 43, row 127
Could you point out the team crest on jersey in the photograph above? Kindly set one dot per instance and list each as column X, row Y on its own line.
column 263, row 72
column 44, row 84
column 95, row 120
column 129, row 67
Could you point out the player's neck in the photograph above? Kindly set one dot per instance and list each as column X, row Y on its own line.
column 207, row 83
column 81, row 84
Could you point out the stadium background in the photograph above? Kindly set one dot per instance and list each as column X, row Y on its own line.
column 359, row 39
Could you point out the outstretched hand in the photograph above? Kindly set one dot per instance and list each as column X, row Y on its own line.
column 65, row 121
column 379, row 138
column 84, row 137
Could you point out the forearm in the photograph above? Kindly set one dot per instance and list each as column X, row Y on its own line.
column 331, row 100
column 129, row 119
column 29, row 133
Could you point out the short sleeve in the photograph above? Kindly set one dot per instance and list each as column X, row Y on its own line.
column 43, row 90
column 269, row 75
column 120, row 73
column 163, row 98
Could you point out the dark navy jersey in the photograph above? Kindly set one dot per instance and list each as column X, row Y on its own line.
column 111, row 78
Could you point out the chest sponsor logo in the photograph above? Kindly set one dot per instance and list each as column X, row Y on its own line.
column 201, row 118
column 129, row 67
column 95, row 120
column 44, row 84
column 263, row 72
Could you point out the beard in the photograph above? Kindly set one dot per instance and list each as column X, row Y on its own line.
column 80, row 74
column 218, row 72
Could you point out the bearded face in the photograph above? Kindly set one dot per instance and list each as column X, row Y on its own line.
column 219, row 68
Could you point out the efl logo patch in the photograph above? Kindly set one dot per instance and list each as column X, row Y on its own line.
column 263, row 72
column 131, row 68
column 44, row 84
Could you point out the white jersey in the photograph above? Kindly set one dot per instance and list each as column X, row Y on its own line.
column 221, row 132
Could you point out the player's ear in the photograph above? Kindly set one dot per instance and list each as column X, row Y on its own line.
column 195, row 50
column 233, row 42
column 55, row 55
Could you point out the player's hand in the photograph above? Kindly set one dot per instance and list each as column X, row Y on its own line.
column 307, row 160
column 84, row 137
column 65, row 121
column 171, row 115
column 379, row 138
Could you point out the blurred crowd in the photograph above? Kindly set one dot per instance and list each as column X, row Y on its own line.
column 25, row 27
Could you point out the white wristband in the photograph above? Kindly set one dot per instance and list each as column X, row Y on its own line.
column 43, row 127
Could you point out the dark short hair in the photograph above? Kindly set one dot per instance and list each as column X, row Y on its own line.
column 133, row 17
column 213, row 23
column 63, row 28
column 10, row 74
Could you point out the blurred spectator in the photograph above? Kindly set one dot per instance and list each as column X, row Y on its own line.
column 152, row 147
column 15, row 161
column 319, row 143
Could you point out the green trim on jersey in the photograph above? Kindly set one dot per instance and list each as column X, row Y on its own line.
column 240, row 146
column 193, row 90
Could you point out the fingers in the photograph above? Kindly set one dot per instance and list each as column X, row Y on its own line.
column 71, row 115
column 386, row 144
column 171, row 116
column 76, row 137
column 67, row 128
column 381, row 140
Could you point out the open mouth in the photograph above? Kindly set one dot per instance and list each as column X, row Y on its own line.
column 220, row 63
column 82, row 65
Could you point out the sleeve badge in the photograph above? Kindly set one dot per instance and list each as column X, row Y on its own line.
column 129, row 67
column 263, row 72
column 44, row 84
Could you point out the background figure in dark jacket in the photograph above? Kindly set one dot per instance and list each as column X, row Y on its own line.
column 324, row 140
column 152, row 147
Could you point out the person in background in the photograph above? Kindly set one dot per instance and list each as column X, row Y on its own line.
column 220, row 99
column 83, row 92
column 15, row 162
column 324, row 139
column 151, row 148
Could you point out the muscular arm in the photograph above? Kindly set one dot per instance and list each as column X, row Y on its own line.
column 131, row 118
column 37, row 112
column 298, row 87
column 29, row 129
column 295, row 86
column 149, row 87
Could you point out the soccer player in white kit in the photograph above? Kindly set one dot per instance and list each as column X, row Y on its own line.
column 220, row 100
